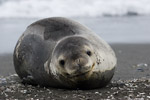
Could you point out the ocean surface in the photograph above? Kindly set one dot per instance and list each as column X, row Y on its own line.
column 116, row 21
column 112, row 29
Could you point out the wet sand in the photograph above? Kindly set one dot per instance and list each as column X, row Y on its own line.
column 131, row 79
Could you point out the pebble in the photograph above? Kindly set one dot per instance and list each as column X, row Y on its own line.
column 96, row 92
column 137, row 89
column 142, row 65
column 148, row 97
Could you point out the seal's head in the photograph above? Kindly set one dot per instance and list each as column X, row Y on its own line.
column 73, row 59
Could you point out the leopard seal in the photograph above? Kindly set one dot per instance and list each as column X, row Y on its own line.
column 61, row 53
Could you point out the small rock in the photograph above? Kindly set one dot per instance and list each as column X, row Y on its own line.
column 142, row 65
column 140, row 69
column 148, row 97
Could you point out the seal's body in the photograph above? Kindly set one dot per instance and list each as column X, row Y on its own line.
column 62, row 53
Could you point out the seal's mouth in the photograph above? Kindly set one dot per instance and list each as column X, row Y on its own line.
column 83, row 74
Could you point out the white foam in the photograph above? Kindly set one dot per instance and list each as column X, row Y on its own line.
column 72, row 8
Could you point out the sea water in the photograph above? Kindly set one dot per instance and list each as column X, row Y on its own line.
column 112, row 29
column 72, row 8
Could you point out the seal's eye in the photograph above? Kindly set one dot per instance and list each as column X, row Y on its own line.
column 89, row 53
column 62, row 62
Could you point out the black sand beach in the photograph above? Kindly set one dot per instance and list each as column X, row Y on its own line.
column 131, row 79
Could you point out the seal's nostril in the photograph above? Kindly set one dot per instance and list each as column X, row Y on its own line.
column 80, row 61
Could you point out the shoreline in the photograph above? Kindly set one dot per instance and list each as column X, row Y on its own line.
column 132, row 61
